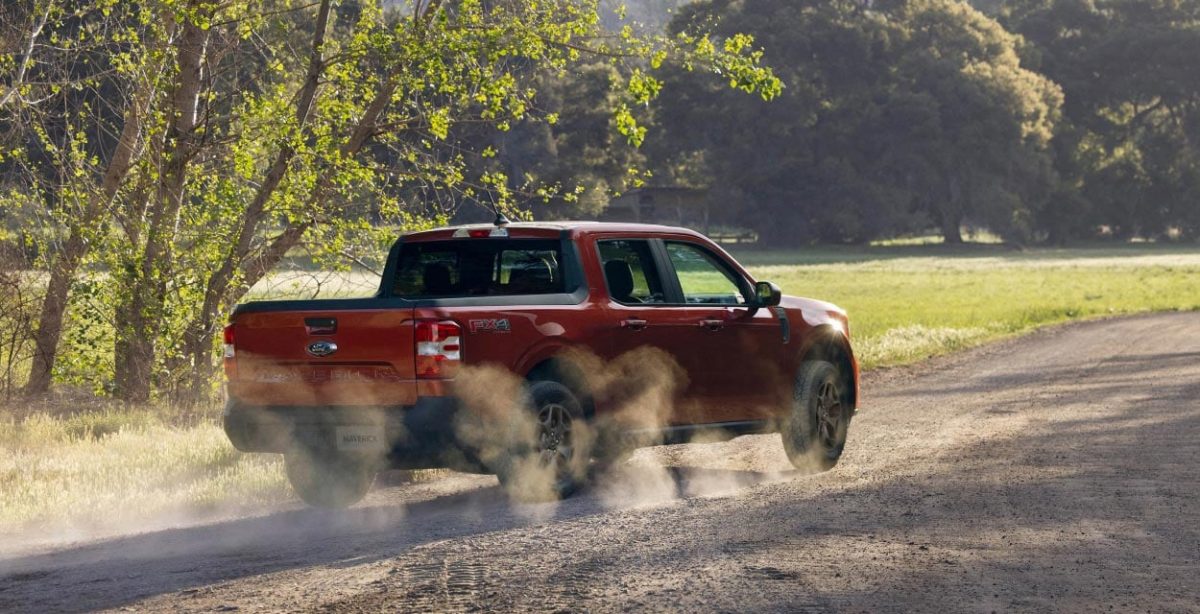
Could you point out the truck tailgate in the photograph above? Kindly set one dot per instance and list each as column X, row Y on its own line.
column 324, row 357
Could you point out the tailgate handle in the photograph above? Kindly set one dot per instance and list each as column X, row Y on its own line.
column 320, row 326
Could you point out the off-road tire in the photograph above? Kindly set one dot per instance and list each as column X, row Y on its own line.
column 814, row 430
column 559, row 420
column 328, row 481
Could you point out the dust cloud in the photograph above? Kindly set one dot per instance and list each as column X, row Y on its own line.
column 637, row 395
column 636, row 391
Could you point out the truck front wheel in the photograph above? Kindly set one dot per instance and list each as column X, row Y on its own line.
column 814, row 430
column 330, row 481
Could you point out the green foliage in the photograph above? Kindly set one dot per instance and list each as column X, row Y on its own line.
column 579, row 142
column 567, row 163
column 893, row 117
column 1127, row 149
column 86, row 347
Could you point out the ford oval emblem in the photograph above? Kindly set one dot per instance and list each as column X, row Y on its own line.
column 322, row 348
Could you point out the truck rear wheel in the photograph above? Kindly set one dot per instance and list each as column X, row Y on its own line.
column 814, row 430
column 329, row 481
column 547, row 463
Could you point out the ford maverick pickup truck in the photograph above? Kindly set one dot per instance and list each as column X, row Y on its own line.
column 552, row 319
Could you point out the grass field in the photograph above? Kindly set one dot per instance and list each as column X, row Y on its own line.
column 909, row 303
column 96, row 471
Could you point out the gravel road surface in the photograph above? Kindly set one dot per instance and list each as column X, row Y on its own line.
column 1059, row 471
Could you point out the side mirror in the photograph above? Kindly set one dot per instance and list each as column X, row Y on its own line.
column 766, row 294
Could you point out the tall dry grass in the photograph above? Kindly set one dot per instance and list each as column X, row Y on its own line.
column 65, row 473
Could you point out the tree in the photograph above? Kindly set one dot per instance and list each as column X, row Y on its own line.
column 75, row 109
column 994, row 118
column 568, row 167
column 1127, row 147
column 895, row 115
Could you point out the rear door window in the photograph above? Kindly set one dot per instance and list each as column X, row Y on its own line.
column 479, row 267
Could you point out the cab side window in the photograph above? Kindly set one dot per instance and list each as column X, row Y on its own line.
column 629, row 271
column 705, row 280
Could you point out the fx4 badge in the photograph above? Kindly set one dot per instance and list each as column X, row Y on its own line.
column 322, row 348
column 490, row 326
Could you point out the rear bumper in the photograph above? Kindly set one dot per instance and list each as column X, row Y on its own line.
column 417, row 436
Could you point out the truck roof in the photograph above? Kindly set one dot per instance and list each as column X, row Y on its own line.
column 551, row 229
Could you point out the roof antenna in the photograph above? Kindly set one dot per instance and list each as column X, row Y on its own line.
column 500, row 220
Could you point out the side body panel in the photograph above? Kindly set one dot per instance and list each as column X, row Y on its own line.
column 519, row 338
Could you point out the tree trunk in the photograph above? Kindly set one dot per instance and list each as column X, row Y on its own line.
column 66, row 264
column 952, row 229
column 951, row 213
column 140, row 321
column 50, row 320
column 200, row 331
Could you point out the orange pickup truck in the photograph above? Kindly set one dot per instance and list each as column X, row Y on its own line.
column 570, row 323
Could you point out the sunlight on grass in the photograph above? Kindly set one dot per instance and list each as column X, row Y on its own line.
column 909, row 343
column 973, row 236
column 122, row 468
column 905, row 306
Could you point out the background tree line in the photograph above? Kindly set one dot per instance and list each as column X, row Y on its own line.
column 1039, row 120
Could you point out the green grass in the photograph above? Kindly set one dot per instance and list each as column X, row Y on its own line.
column 105, row 468
column 909, row 303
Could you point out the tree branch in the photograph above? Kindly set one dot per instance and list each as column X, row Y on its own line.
column 23, row 67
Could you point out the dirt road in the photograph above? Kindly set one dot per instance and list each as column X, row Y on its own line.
column 1059, row 471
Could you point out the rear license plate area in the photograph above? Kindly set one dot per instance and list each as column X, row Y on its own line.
column 360, row 439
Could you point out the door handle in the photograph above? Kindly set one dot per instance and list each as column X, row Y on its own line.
column 633, row 324
column 712, row 324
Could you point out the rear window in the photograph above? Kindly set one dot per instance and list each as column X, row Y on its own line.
column 479, row 267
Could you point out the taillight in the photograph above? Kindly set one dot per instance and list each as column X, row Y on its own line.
column 230, row 353
column 438, row 348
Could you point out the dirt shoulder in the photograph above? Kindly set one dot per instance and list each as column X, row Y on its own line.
column 1055, row 471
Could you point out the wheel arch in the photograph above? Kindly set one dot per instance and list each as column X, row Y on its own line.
column 559, row 368
column 830, row 345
